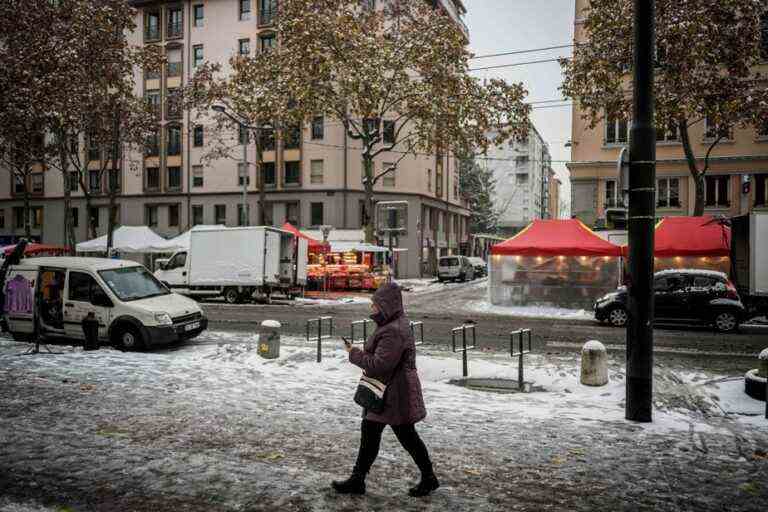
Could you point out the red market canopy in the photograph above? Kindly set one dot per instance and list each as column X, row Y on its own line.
column 692, row 236
column 315, row 246
column 34, row 249
column 556, row 238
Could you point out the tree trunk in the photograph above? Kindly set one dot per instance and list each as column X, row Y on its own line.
column 111, row 186
column 696, row 175
column 111, row 219
column 262, row 182
column 27, row 211
column 69, row 230
column 368, row 225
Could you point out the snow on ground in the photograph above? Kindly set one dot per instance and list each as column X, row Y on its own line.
column 484, row 306
column 430, row 284
column 214, row 425
column 333, row 302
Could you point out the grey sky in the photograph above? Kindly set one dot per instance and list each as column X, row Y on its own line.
column 508, row 25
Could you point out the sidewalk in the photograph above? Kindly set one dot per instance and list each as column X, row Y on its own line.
column 214, row 427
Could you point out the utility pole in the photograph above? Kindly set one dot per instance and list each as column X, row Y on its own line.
column 642, row 215
column 245, row 176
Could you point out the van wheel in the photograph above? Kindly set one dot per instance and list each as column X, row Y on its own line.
column 231, row 296
column 726, row 321
column 129, row 338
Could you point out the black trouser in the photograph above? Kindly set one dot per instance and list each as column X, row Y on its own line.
column 370, row 439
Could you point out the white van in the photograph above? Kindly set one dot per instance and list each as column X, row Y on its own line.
column 133, row 308
column 452, row 268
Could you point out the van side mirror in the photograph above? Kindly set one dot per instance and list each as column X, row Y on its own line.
column 99, row 298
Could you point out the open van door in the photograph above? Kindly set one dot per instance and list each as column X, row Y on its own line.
column 19, row 309
column 302, row 252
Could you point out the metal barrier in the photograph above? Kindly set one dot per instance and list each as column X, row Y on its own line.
column 320, row 336
column 464, row 348
column 420, row 339
column 365, row 324
column 520, row 334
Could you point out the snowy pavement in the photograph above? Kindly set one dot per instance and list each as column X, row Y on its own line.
column 212, row 427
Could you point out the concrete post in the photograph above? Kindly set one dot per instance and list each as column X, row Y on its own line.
column 269, row 339
column 594, row 364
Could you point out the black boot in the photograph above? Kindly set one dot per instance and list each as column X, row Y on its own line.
column 355, row 484
column 428, row 484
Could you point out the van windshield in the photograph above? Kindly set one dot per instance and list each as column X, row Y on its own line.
column 449, row 262
column 133, row 283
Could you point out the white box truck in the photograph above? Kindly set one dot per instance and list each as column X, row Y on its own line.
column 749, row 247
column 237, row 264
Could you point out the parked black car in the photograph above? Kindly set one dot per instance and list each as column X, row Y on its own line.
column 682, row 296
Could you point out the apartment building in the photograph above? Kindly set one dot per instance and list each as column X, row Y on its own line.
column 313, row 174
column 736, row 183
column 522, row 168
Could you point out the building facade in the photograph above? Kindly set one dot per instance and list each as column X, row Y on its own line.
column 313, row 174
column 736, row 183
column 522, row 169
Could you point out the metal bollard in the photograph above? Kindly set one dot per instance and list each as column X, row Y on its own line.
column 320, row 336
column 420, row 340
column 464, row 348
column 520, row 334
column 365, row 322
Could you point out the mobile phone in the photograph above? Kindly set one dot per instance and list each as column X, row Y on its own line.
column 346, row 341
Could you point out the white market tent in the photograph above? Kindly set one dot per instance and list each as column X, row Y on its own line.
column 346, row 240
column 129, row 239
column 182, row 241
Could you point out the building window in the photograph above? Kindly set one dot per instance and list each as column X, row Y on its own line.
column 389, row 132
column 174, row 177
column 292, row 213
column 292, row 137
column 220, row 214
column 267, row 140
column 713, row 131
column 151, row 213
column 716, row 193
column 429, row 180
column 152, row 147
column 37, row 182
column 762, row 130
column 244, row 47
column 199, row 14
column 198, row 136
column 74, row 213
column 267, row 42
column 174, row 62
column 94, row 182
column 439, row 178
column 18, row 184
column 174, row 141
column 318, row 128
column 153, row 178
column 616, row 130
column 761, row 189
column 197, row 214
column 94, row 152
column 18, row 217
column 361, row 208
column 173, row 215
column 173, row 104
column 268, row 168
column 269, row 214
column 153, row 100
column 245, row 10
column 197, row 176
column 292, row 173
column 316, row 172
column 93, row 216
column 197, row 55
column 668, row 193
column 242, row 216
column 610, row 194
column 175, row 22
column 667, row 134
column 114, row 180
column 267, row 12
column 317, row 214
column 152, row 26
column 37, row 216
column 243, row 175
column 243, row 137
column 389, row 179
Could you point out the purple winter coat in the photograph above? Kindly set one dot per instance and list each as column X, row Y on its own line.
column 391, row 342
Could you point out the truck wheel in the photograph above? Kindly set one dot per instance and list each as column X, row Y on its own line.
column 231, row 296
column 129, row 338
column 618, row 316
column 726, row 321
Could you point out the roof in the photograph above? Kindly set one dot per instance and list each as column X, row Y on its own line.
column 566, row 237
column 75, row 262
column 692, row 236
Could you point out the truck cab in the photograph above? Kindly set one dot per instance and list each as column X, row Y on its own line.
column 50, row 297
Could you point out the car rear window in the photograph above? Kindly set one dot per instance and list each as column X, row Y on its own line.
column 449, row 262
column 703, row 282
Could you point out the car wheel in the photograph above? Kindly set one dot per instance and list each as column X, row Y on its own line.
column 128, row 338
column 618, row 317
column 726, row 321
column 231, row 296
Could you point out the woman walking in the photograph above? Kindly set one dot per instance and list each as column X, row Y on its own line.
column 390, row 356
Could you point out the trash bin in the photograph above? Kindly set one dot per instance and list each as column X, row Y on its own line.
column 269, row 339
column 91, row 332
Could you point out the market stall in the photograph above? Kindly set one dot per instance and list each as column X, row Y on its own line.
column 35, row 249
column 692, row 242
column 129, row 240
column 559, row 263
